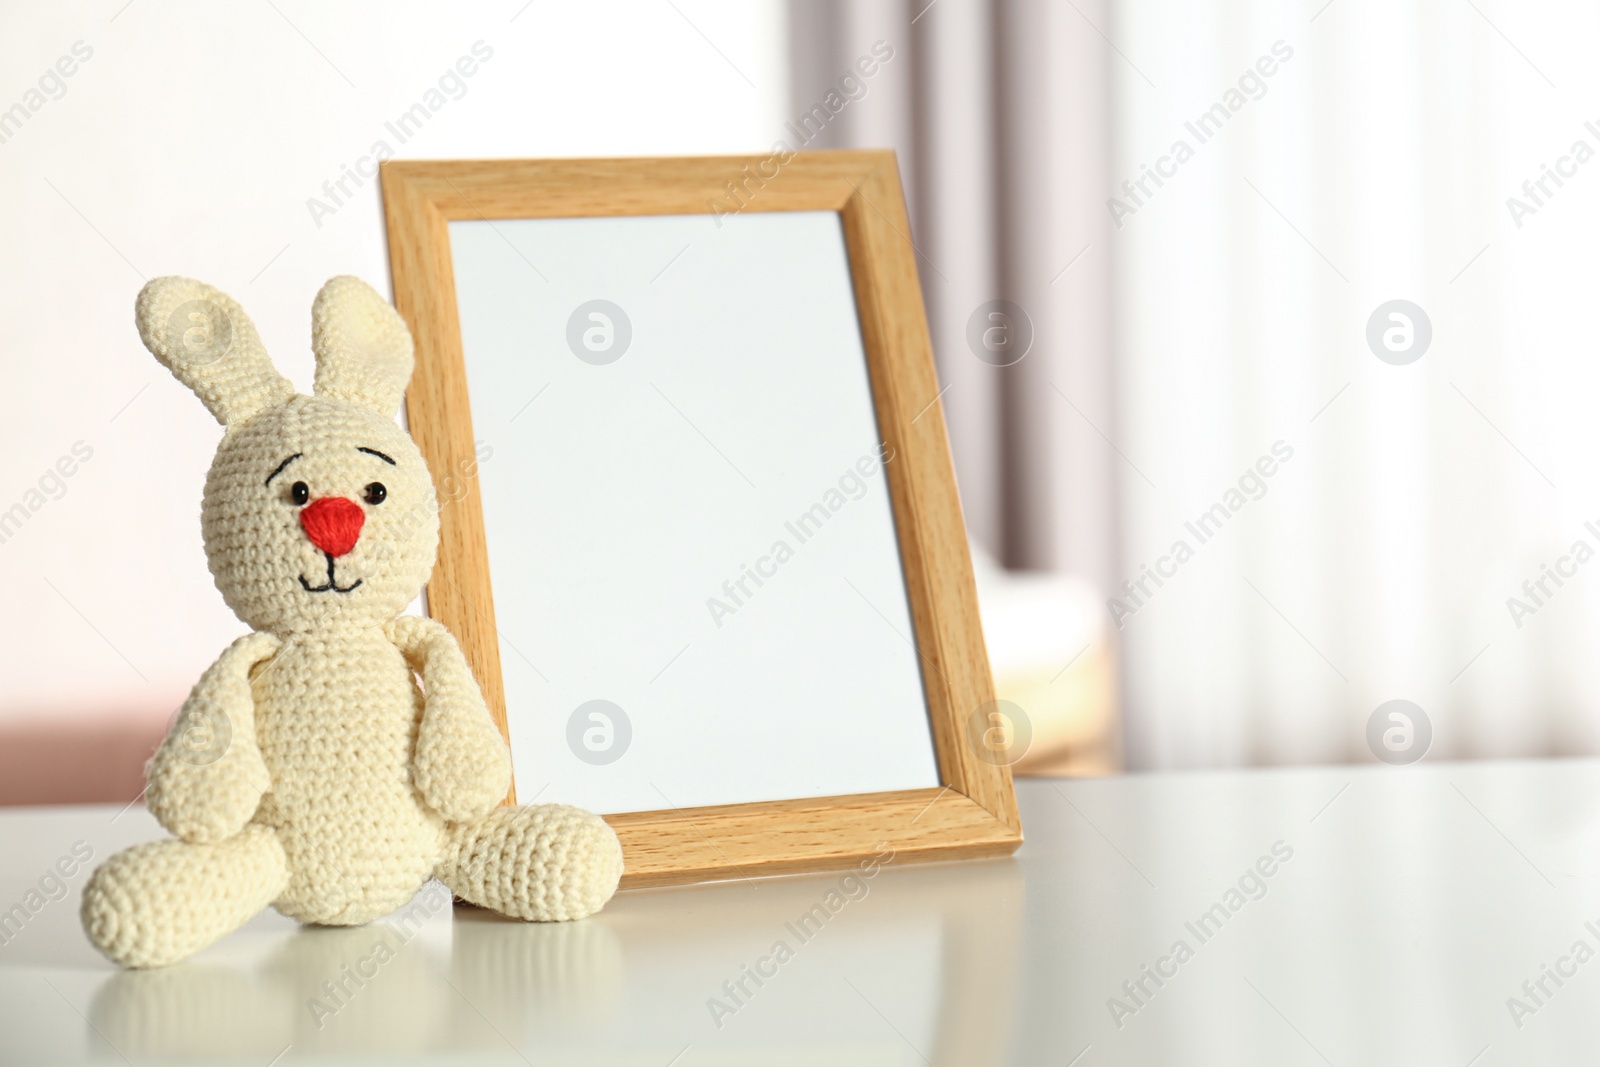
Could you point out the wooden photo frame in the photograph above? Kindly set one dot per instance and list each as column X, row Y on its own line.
column 972, row 812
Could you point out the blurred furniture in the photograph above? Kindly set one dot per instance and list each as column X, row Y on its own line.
column 1053, row 656
column 78, row 759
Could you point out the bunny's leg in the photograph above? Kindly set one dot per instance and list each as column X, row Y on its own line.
column 546, row 862
column 159, row 902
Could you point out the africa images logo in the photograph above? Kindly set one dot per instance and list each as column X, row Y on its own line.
column 1399, row 732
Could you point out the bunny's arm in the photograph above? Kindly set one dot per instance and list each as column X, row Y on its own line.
column 207, row 778
column 462, row 766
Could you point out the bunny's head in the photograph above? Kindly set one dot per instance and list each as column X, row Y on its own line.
column 319, row 511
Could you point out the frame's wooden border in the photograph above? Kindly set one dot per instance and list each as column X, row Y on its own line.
column 974, row 813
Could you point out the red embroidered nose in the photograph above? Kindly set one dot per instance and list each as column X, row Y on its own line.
column 333, row 524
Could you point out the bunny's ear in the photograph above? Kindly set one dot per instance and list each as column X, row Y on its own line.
column 363, row 347
column 209, row 344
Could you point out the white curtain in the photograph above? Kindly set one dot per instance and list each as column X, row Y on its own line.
column 1335, row 157
column 1374, row 163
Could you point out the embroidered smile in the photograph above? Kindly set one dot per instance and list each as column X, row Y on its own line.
column 330, row 586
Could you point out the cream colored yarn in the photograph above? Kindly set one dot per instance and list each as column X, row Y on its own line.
column 307, row 769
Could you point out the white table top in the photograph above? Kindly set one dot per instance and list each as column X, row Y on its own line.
column 1415, row 902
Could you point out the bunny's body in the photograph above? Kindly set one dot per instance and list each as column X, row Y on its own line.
column 319, row 762
column 307, row 769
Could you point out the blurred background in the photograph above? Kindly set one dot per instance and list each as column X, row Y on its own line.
column 1262, row 328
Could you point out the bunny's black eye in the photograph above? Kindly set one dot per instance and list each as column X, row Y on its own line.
column 376, row 493
column 300, row 492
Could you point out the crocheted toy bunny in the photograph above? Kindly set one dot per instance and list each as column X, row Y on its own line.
column 307, row 769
